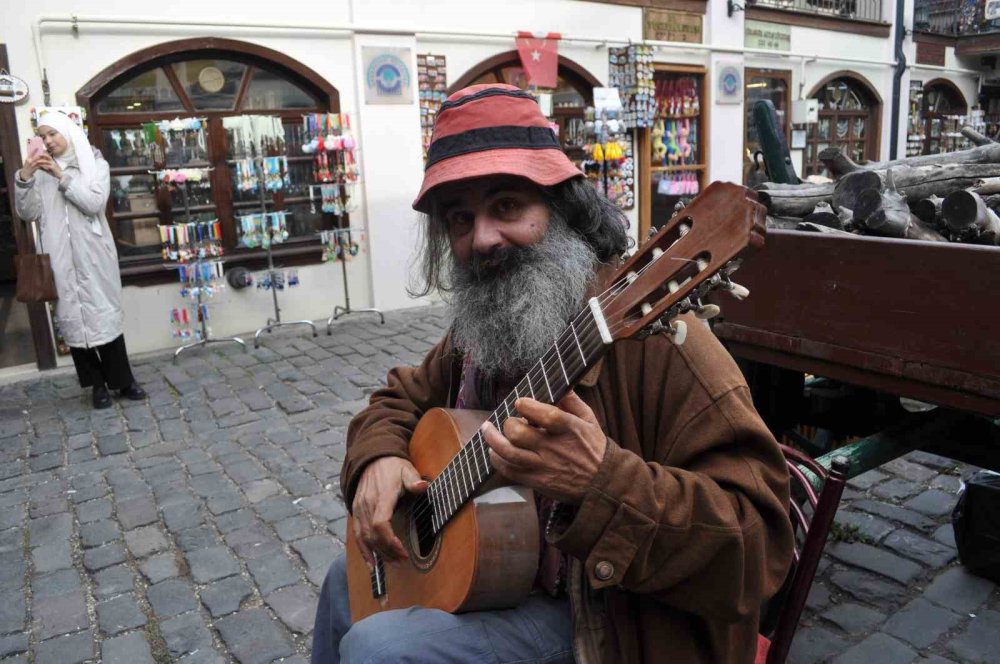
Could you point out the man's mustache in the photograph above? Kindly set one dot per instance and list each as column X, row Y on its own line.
column 499, row 262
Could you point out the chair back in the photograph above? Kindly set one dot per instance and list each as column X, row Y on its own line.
column 812, row 517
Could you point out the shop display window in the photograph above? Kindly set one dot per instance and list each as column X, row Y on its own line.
column 206, row 89
column 772, row 86
column 943, row 113
column 848, row 117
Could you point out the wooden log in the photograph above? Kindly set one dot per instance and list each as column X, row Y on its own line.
column 969, row 219
column 785, row 223
column 986, row 186
column 976, row 137
column 928, row 210
column 824, row 215
column 918, row 183
column 794, row 200
column 840, row 164
column 886, row 213
column 846, row 191
column 820, row 228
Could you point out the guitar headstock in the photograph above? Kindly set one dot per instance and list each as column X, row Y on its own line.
column 694, row 253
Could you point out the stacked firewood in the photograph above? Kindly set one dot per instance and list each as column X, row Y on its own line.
column 944, row 197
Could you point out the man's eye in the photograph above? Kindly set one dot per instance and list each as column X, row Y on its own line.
column 507, row 206
column 460, row 219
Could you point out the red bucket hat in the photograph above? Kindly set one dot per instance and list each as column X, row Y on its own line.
column 493, row 129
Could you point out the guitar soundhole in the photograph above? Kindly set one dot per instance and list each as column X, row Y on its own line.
column 423, row 541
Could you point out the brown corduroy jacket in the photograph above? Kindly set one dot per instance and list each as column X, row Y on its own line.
column 684, row 531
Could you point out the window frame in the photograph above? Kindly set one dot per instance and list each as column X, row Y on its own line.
column 140, row 270
column 872, row 115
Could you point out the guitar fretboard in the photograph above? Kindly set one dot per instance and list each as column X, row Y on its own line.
column 570, row 357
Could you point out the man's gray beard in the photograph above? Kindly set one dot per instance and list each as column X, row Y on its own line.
column 507, row 317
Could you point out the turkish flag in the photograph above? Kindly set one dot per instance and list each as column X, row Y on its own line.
column 540, row 57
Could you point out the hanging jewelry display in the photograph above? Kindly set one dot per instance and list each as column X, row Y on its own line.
column 194, row 249
column 610, row 161
column 631, row 71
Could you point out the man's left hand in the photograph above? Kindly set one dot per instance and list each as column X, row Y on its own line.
column 555, row 450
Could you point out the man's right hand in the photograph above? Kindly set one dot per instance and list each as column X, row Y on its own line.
column 382, row 483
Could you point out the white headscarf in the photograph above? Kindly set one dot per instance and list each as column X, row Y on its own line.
column 79, row 150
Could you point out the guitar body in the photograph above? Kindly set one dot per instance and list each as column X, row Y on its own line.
column 485, row 557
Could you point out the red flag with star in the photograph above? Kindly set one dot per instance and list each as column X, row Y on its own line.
column 540, row 57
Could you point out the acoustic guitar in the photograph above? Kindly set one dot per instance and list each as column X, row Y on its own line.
column 472, row 539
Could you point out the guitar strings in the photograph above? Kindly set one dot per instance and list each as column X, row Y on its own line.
column 448, row 487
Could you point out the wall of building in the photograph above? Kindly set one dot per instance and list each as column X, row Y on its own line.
column 389, row 136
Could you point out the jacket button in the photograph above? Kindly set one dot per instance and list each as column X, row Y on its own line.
column 604, row 570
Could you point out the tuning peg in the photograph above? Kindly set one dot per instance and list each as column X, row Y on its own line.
column 707, row 311
column 738, row 291
column 678, row 331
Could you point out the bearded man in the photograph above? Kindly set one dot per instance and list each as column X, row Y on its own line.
column 663, row 495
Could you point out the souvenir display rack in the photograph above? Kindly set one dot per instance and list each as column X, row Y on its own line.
column 339, row 244
column 432, row 79
column 609, row 162
column 675, row 149
column 193, row 249
column 267, row 183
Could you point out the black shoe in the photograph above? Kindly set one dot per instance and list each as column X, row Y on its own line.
column 102, row 398
column 134, row 392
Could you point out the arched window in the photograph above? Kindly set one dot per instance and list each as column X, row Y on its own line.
column 208, row 79
column 574, row 92
column 849, row 112
column 943, row 111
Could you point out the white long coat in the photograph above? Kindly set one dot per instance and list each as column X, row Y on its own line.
column 85, row 264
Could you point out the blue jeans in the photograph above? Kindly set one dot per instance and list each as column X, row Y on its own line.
column 540, row 631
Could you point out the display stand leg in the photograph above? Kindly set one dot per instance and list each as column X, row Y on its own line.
column 346, row 310
column 199, row 284
column 276, row 322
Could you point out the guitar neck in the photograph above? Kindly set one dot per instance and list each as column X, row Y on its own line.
column 567, row 360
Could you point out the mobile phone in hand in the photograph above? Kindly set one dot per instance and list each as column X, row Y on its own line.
column 36, row 146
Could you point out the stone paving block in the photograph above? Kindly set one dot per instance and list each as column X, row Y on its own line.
column 945, row 535
column 897, row 489
column 932, row 460
column 52, row 557
column 933, row 502
column 812, row 645
column 295, row 606
column 46, row 462
column 146, row 540
column 979, row 643
column 818, row 598
column 50, row 531
column 272, row 571
column 224, row 597
column 243, row 472
column 98, row 532
column 225, row 502
column 11, row 516
column 896, row 513
column 959, row 590
column 183, row 515
column 294, row 528
column 139, row 511
column 13, row 644
column 13, row 613
column 324, row 506
column 211, row 563
column 128, row 649
column 160, row 567
column 276, row 508
column 875, row 560
column 947, row 483
column 59, row 615
column 238, row 519
column 877, row 648
column 193, row 539
column 920, row 623
column 908, row 470
column 185, row 634
column 73, row 649
column 318, row 552
column 119, row 614
column 113, row 581
column 259, row 490
column 54, row 584
column 921, row 549
column 254, row 638
column 868, row 526
column 866, row 587
column 171, row 597
column 112, row 444
column 93, row 510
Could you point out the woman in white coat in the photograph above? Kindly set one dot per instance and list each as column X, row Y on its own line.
column 66, row 190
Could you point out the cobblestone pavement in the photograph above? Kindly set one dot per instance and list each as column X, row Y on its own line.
column 196, row 527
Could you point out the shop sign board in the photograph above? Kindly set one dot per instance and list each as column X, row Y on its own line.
column 387, row 75
column 770, row 36
column 671, row 26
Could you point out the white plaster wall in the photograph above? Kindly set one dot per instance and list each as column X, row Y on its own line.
column 389, row 138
